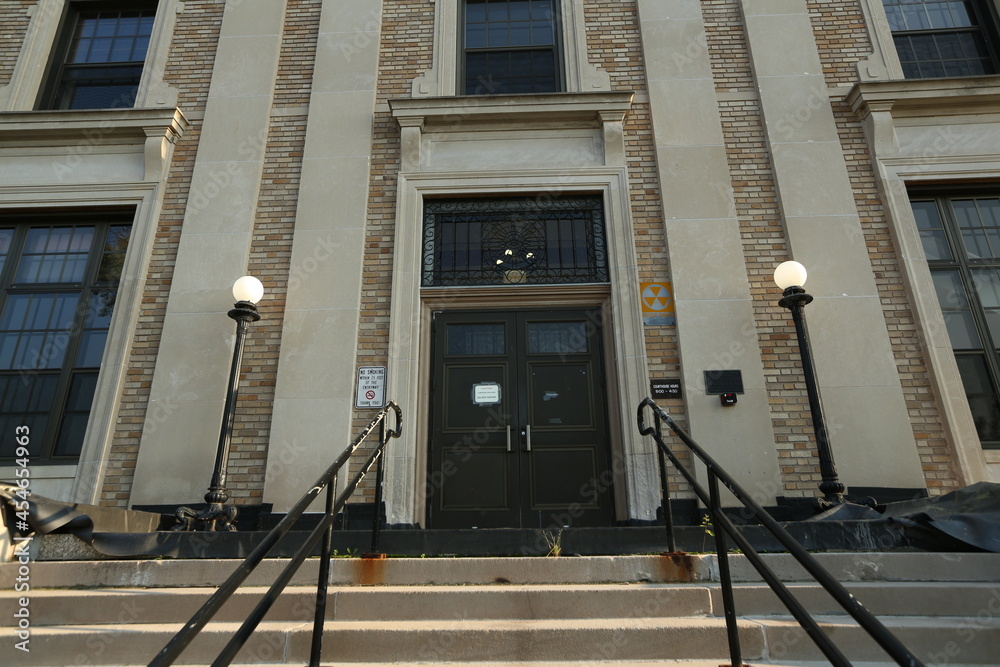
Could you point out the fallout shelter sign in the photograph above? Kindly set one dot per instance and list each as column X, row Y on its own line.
column 657, row 304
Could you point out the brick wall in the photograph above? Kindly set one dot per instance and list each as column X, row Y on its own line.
column 13, row 25
column 728, row 50
column 614, row 45
column 842, row 38
column 405, row 51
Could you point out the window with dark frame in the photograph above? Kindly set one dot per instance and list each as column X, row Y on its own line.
column 510, row 47
column 942, row 38
column 100, row 55
column 961, row 240
column 59, row 280
column 514, row 240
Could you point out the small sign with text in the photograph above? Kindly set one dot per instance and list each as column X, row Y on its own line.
column 371, row 387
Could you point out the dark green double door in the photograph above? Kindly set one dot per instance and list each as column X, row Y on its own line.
column 518, row 421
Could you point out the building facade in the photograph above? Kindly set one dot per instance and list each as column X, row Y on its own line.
column 521, row 214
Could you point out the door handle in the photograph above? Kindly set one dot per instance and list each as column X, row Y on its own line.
column 527, row 433
column 508, row 439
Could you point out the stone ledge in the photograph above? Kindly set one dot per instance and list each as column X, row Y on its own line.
column 57, row 126
column 553, row 107
column 927, row 97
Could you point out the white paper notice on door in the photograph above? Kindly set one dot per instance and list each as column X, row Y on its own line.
column 486, row 393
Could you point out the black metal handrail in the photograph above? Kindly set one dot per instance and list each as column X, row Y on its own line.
column 871, row 625
column 323, row 531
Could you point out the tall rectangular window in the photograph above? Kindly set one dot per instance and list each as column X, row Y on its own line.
column 511, row 46
column 58, row 284
column 961, row 239
column 100, row 55
column 939, row 38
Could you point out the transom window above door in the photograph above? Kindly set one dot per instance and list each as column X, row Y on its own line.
column 514, row 240
column 510, row 47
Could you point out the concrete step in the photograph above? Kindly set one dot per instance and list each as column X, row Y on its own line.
column 388, row 603
column 604, row 663
column 575, row 610
column 936, row 641
column 892, row 598
column 846, row 567
column 624, row 663
column 391, row 603
column 575, row 640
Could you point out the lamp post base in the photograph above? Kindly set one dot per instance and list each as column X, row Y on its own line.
column 215, row 517
column 824, row 503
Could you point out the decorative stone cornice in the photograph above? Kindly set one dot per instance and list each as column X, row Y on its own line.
column 61, row 126
column 150, row 131
column 556, row 114
column 915, row 98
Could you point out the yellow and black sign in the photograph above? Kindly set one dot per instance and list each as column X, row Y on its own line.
column 657, row 304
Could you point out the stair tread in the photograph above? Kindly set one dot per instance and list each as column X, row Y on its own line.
column 594, row 663
column 456, row 625
column 887, row 620
column 396, row 626
column 369, row 590
column 498, row 587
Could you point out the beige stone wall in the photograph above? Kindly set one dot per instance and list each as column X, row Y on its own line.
column 843, row 41
column 189, row 68
column 271, row 249
column 764, row 243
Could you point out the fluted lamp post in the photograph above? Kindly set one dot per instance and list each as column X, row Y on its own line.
column 218, row 515
column 790, row 277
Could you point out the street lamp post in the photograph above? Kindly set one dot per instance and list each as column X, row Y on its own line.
column 790, row 276
column 218, row 516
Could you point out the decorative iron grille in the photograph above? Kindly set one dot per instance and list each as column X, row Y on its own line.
column 539, row 240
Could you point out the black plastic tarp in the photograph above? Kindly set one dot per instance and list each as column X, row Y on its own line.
column 964, row 520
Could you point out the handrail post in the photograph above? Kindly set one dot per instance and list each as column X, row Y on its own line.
column 323, row 580
column 668, row 514
column 871, row 625
column 376, row 517
column 725, row 577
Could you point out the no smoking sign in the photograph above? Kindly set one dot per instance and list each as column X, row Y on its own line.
column 371, row 387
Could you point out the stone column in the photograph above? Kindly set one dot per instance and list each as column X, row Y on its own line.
column 715, row 319
column 862, row 397
column 192, row 368
column 314, row 395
